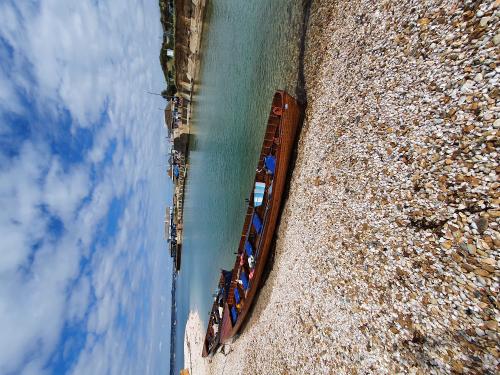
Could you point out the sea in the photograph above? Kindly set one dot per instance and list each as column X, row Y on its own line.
column 250, row 48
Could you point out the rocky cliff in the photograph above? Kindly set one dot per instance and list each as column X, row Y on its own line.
column 188, row 28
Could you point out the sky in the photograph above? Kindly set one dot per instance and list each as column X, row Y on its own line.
column 84, row 271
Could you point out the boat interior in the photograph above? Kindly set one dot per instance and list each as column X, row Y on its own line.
column 256, row 215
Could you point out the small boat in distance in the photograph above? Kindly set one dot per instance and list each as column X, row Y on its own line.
column 237, row 289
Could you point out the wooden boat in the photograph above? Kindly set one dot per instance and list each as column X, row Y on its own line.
column 260, row 221
column 212, row 337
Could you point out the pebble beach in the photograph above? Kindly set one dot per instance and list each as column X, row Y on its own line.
column 387, row 256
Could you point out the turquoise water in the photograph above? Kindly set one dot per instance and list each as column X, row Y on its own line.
column 249, row 49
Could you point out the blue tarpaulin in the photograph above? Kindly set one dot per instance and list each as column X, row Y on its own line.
column 237, row 296
column 227, row 281
column 248, row 248
column 227, row 276
column 257, row 223
column 244, row 280
column 176, row 171
column 234, row 314
column 270, row 163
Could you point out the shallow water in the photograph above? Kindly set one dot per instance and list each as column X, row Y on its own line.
column 249, row 49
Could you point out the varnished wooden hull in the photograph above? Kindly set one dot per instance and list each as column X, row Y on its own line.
column 279, row 139
column 211, row 341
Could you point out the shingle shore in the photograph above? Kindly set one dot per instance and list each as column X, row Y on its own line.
column 387, row 256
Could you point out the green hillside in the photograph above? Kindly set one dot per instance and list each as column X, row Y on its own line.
column 167, row 19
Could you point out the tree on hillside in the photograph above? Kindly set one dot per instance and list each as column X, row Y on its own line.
column 169, row 91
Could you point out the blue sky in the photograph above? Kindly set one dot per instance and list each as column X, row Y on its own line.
column 84, row 271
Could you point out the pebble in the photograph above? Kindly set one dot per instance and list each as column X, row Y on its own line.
column 387, row 251
column 481, row 224
column 484, row 21
column 496, row 39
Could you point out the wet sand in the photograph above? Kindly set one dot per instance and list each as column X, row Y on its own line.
column 387, row 255
column 193, row 345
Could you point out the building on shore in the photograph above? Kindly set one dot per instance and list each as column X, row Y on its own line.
column 173, row 234
column 177, row 171
column 168, row 118
column 167, row 222
column 173, row 116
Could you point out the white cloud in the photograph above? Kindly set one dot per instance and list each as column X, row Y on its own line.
column 79, row 300
column 9, row 101
column 63, row 192
column 30, row 312
column 20, row 222
column 83, row 58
